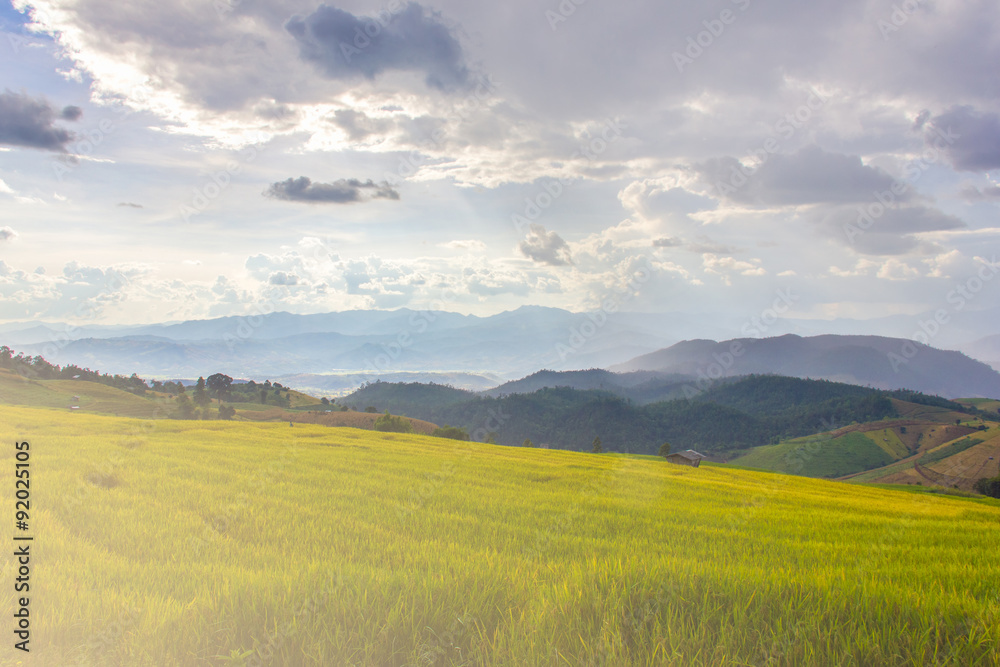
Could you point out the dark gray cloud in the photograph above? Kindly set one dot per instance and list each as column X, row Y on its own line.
column 359, row 125
column 667, row 242
column 282, row 278
column 704, row 244
column 545, row 247
column 346, row 46
column 972, row 193
column 29, row 122
column 809, row 176
column 343, row 191
column 970, row 139
column 71, row 113
column 873, row 229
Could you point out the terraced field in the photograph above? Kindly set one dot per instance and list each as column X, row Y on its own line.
column 184, row 543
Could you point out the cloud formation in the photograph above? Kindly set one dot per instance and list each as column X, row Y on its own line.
column 808, row 176
column 30, row 122
column 969, row 138
column 343, row 191
column 545, row 247
column 346, row 46
column 7, row 234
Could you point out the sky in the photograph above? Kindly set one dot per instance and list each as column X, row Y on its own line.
column 164, row 160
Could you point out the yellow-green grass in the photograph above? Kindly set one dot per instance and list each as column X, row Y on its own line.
column 174, row 543
column 889, row 441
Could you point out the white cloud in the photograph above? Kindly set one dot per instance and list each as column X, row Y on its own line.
column 468, row 244
column 894, row 269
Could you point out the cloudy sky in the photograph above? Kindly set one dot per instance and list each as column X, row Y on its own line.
column 165, row 160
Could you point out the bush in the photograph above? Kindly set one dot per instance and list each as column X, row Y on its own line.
column 185, row 408
column 665, row 450
column 393, row 424
column 453, row 432
column 988, row 487
column 226, row 412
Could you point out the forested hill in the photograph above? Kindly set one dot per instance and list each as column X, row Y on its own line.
column 732, row 415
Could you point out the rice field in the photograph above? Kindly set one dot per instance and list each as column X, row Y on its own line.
column 241, row 543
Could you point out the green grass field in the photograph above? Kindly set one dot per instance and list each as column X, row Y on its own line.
column 185, row 543
column 822, row 456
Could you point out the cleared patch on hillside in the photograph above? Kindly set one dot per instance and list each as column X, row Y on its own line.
column 362, row 420
column 830, row 455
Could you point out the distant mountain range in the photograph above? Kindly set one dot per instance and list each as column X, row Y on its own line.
column 336, row 352
column 986, row 350
column 882, row 363
column 362, row 344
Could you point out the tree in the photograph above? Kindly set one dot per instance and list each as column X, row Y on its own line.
column 226, row 412
column 665, row 450
column 219, row 384
column 988, row 487
column 325, row 400
column 453, row 432
column 200, row 396
column 393, row 424
column 185, row 409
column 372, row 409
column 527, row 443
column 263, row 396
column 596, row 446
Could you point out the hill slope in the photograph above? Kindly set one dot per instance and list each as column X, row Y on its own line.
column 90, row 396
column 735, row 414
column 312, row 546
column 884, row 363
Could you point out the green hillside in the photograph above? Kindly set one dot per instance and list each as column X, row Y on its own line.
column 90, row 397
column 734, row 414
column 174, row 543
column 820, row 456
